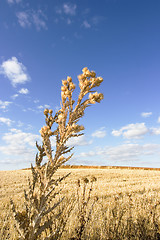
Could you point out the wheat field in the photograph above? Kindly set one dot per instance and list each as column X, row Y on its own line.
column 123, row 203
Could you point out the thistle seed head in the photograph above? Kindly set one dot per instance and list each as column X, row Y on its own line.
column 44, row 130
column 85, row 180
column 50, row 111
column 84, row 70
column 95, row 97
column 93, row 74
column 81, row 77
column 64, row 82
column 78, row 183
column 69, row 79
column 72, row 86
column 46, row 111
column 63, row 88
column 93, row 179
column 88, row 73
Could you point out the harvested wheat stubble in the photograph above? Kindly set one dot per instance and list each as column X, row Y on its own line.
column 118, row 190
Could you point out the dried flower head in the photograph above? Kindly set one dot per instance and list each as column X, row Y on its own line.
column 78, row 183
column 95, row 97
column 46, row 111
column 85, row 180
column 60, row 117
column 93, row 179
column 69, row 79
column 84, row 70
column 64, row 82
column 50, row 111
column 44, row 130
column 63, row 88
column 72, row 86
column 81, row 77
column 88, row 73
column 96, row 198
column 93, row 74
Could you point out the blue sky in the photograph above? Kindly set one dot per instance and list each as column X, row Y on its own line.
column 43, row 42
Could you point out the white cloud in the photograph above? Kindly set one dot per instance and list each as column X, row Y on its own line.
column 100, row 133
column 23, row 91
column 88, row 154
column 19, row 137
column 159, row 120
column 20, row 124
column 14, row 96
column 93, row 22
column 132, row 131
column 36, row 101
column 155, row 131
column 79, row 141
column 53, row 141
column 15, row 71
column 86, row 24
column 24, row 19
column 131, row 151
column 28, row 18
column 6, row 121
column 116, row 133
column 69, row 9
column 43, row 106
column 124, row 152
column 4, row 105
column 19, row 144
column 38, row 21
column 146, row 114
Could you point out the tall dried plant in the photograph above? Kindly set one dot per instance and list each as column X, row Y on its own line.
column 38, row 219
column 85, row 206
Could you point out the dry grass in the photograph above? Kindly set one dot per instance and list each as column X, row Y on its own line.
column 127, row 205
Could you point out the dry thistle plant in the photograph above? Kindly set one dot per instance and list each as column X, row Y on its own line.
column 85, row 206
column 37, row 220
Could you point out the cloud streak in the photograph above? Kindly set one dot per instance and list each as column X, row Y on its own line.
column 146, row 114
column 42, row 107
column 31, row 17
column 86, row 24
column 131, row 131
column 6, row 121
column 79, row 141
column 100, row 133
column 69, row 9
column 124, row 152
column 4, row 105
column 13, row 1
